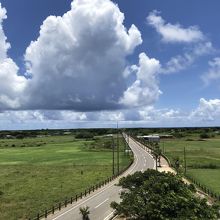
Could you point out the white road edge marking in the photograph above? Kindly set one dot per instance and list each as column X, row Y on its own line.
column 107, row 217
column 101, row 203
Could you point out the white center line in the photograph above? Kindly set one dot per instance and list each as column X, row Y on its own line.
column 101, row 203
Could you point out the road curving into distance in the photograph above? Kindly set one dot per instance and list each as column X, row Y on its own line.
column 99, row 201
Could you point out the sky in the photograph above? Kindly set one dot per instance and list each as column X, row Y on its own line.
column 91, row 63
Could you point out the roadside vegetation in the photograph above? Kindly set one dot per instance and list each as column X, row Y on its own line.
column 38, row 171
column 160, row 196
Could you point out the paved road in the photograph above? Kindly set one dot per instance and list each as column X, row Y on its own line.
column 99, row 201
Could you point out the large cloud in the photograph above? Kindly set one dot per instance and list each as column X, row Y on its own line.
column 79, row 59
column 11, row 85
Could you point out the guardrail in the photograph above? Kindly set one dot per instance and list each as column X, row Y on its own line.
column 75, row 198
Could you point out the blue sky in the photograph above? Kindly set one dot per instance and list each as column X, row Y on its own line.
column 159, row 66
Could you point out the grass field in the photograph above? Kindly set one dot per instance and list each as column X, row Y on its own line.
column 202, row 157
column 38, row 172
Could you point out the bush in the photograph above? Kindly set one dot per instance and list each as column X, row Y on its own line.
column 205, row 166
column 20, row 136
column 82, row 135
column 1, row 193
column 204, row 135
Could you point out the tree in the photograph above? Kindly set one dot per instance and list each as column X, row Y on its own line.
column 157, row 154
column 84, row 211
column 157, row 196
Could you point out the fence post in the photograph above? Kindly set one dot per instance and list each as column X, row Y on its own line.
column 71, row 200
column 81, row 195
column 85, row 192
column 93, row 188
column 45, row 214
column 53, row 210
column 38, row 216
column 76, row 198
column 59, row 206
column 65, row 203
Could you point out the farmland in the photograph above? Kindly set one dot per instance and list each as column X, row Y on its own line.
column 39, row 172
column 202, row 158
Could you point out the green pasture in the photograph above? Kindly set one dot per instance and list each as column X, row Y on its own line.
column 36, row 173
column 202, row 158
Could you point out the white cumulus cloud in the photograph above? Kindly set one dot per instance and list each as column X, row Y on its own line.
column 144, row 90
column 183, row 61
column 79, row 59
column 11, row 85
column 213, row 73
column 208, row 110
column 174, row 32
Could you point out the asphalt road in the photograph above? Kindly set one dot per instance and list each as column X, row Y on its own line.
column 99, row 201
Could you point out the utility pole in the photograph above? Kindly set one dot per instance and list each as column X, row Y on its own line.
column 184, row 154
column 117, row 150
column 156, row 161
column 113, row 156
column 125, row 145
column 163, row 148
column 128, row 137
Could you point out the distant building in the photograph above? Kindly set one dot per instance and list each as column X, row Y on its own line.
column 109, row 135
column 163, row 136
column 8, row 136
column 150, row 138
column 67, row 133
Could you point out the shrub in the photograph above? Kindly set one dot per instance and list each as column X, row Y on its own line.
column 204, row 135
column 82, row 135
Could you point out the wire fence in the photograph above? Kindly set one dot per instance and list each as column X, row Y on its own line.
column 204, row 188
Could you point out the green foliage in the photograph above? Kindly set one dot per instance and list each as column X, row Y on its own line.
column 84, row 211
column 85, row 134
column 157, row 196
column 204, row 135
